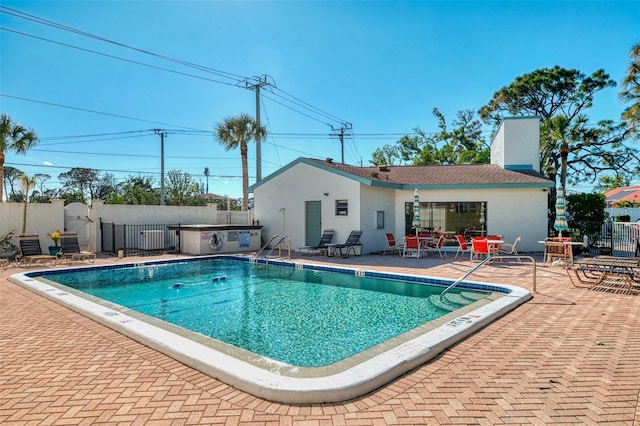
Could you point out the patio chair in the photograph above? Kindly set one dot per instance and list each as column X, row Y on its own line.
column 508, row 248
column 327, row 237
column 556, row 249
column 463, row 247
column 392, row 245
column 437, row 246
column 411, row 247
column 71, row 249
column 30, row 251
column 350, row 245
column 479, row 248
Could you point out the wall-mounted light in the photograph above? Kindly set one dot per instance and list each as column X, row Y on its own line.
column 326, row 194
column 544, row 189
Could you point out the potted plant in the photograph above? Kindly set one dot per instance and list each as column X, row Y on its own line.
column 55, row 237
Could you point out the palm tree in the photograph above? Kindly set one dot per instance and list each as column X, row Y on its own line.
column 27, row 183
column 13, row 137
column 206, row 174
column 236, row 132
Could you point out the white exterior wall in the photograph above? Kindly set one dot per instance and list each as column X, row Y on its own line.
column 510, row 212
column 523, row 146
column 297, row 185
column 372, row 200
column 42, row 219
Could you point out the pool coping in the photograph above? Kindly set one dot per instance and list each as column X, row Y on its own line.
column 269, row 379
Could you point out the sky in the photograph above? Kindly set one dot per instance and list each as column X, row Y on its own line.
column 98, row 80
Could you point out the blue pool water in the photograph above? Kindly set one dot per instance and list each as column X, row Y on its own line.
column 302, row 317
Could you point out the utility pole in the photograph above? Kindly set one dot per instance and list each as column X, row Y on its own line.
column 260, row 82
column 341, row 134
column 162, row 135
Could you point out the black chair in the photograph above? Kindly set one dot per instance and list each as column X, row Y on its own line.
column 350, row 245
column 327, row 237
column 71, row 249
column 30, row 251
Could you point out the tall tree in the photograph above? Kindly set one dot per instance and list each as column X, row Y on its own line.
column 461, row 144
column 139, row 190
column 182, row 190
column 79, row 181
column 631, row 92
column 236, row 132
column 589, row 150
column 206, row 174
column 13, row 137
column 12, row 178
column 27, row 183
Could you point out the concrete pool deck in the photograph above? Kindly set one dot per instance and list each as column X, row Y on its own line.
column 567, row 356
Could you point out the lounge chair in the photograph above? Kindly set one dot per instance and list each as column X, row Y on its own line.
column 392, row 244
column 327, row 237
column 71, row 249
column 30, row 251
column 350, row 245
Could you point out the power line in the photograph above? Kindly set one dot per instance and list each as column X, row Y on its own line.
column 43, row 21
column 91, row 111
column 116, row 57
column 236, row 79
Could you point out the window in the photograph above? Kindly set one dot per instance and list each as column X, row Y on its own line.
column 380, row 219
column 342, row 208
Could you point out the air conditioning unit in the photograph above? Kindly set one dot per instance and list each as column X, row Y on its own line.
column 152, row 240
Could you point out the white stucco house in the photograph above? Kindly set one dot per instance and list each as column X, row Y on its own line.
column 506, row 197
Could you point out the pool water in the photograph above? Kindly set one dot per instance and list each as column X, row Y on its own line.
column 301, row 317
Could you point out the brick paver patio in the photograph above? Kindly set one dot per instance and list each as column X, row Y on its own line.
column 568, row 356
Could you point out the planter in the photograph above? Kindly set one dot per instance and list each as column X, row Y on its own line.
column 53, row 250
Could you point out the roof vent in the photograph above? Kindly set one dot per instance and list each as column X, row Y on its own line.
column 384, row 168
column 329, row 160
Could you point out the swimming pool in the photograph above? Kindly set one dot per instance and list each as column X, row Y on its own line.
column 353, row 337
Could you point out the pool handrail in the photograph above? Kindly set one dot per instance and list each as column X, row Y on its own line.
column 484, row 262
column 266, row 245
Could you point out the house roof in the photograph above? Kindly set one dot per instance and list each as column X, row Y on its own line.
column 428, row 177
column 625, row 193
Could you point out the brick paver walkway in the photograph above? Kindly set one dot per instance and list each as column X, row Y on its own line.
column 568, row 356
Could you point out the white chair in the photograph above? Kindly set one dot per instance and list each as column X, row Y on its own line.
column 508, row 248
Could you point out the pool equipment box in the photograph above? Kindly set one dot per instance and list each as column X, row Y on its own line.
column 212, row 239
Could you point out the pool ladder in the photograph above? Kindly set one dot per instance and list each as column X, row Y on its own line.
column 484, row 262
column 279, row 241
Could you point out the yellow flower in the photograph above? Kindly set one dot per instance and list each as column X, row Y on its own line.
column 55, row 236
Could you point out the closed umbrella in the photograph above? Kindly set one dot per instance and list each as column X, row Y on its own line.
column 416, row 210
column 561, row 217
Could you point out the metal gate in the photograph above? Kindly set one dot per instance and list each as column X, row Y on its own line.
column 139, row 240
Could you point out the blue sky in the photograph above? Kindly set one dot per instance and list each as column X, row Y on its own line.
column 381, row 66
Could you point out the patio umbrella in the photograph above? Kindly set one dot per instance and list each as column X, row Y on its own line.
column 416, row 210
column 561, row 218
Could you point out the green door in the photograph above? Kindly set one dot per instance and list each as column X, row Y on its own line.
column 313, row 222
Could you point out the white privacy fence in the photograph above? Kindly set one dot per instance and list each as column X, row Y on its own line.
column 44, row 218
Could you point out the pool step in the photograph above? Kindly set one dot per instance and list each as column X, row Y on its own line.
column 458, row 299
column 443, row 303
column 473, row 295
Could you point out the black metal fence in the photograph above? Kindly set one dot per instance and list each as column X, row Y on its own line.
column 621, row 239
column 139, row 240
